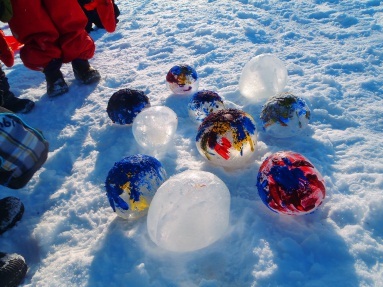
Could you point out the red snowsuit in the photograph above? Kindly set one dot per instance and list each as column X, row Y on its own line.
column 50, row 29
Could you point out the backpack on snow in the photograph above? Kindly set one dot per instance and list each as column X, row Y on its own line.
column 23, row 150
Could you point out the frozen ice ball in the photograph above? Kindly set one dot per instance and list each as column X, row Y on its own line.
column 131, row 184
column 227, row 138
column 125, row 104
column 182, row 80
column 262, row 77
column 285, row 115
column 202, row 103
column 189, row 211
column 288, row 183
column 154, row 128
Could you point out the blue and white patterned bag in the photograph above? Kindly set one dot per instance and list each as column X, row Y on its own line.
column 23, row 150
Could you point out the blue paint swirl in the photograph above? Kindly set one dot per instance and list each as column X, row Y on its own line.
column 138, row 170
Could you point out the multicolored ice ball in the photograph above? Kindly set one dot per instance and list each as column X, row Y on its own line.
column 288, row 183
column 202, row 103
column 182, row 80
column 227, row 138
column 125, row 104
column 132, row 183
column 285, row 115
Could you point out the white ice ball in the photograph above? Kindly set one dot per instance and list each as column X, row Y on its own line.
column 262, row 77
column 189, row 211
column 154, row 127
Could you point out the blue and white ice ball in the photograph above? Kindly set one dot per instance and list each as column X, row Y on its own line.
column 125, row 104
column 202, row 103
column 131, row 184
column 285, row 115
column 182, row 80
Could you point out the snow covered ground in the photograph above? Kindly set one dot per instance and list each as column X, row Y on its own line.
column 333, row 51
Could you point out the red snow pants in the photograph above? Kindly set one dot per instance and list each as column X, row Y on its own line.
column 50, row 29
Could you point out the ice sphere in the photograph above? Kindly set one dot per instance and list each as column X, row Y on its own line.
column 154, row 128
column 182, row 80
column 202, row 103
column 125, row 104
column 285, row 115
column 131, row 184
column 262, row 77
column 189, row 211
column 288, row 183
column 227, row 138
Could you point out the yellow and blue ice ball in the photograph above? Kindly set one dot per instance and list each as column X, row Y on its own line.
column 182, row 80
column 131, row 184
column 202, row 103
column 285, row 115
column 125, row 104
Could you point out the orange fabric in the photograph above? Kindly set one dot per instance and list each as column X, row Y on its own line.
column 105, row 10
column 6, row 53
column 90, row 6
column 50, row 29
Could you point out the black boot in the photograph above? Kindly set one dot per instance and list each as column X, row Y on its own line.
column 56, row 84
column 84, row 72
column 8, row 99
column 16, row 105
column 12, row 269
column 11, row 211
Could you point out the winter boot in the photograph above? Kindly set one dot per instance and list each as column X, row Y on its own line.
column 56, row 84
column 12, row 269
column 8, row 99
column 84, row 72
column 11, row 211
column 16, row 105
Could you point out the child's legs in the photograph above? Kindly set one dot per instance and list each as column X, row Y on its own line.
column 70, row 22
column 33, row 27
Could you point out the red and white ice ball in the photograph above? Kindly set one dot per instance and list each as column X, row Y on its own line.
column 227, row 138
column 182, row 80
column 288, row 183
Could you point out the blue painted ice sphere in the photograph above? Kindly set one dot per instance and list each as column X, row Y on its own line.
column 125, row 104
column 182, row 80
column 132, row 183
column 202, row 103
column 285, row 115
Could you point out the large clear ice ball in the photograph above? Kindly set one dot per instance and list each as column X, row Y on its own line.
column 155, row 127
column 227, row 138
column 202, row 103
column 288, row 183
column 189, row 211
column 131, row 184
column 125, row 104
column 262, row 77
column 182, row 80
column 285, row 115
